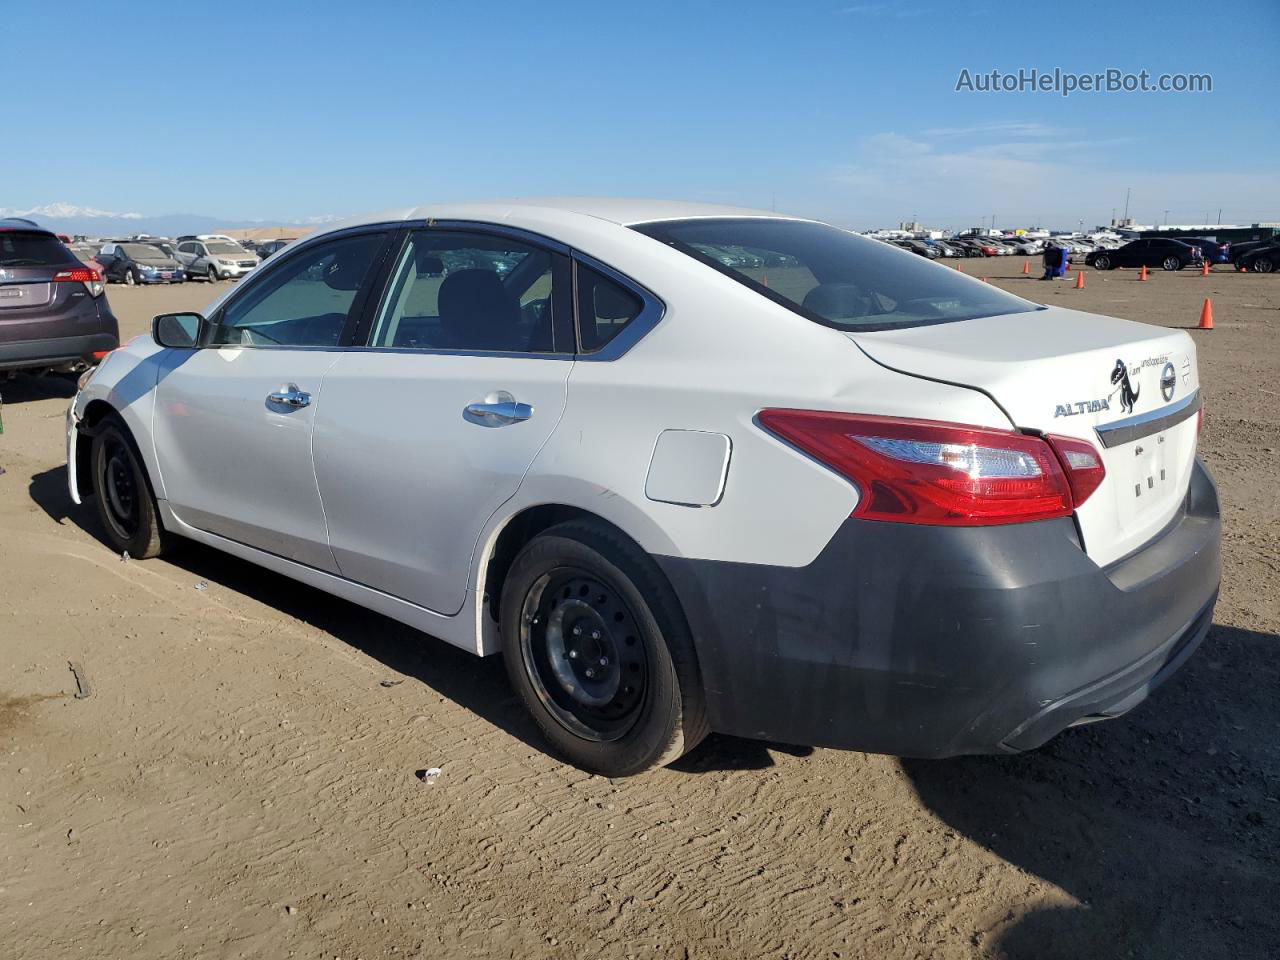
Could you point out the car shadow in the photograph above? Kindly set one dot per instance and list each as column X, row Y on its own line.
column 1163, row 826
column 473, row 683
column 27, row 389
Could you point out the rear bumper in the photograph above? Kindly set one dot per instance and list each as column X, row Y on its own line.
column 32, row 354
column 933, row 641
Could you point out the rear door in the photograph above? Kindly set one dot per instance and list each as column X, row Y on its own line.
column 233, row 420
column 429, row 428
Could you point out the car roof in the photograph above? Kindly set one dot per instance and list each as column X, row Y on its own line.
column 567, row 210
column 23, row 224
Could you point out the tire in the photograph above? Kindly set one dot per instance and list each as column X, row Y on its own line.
column 125, row 503
column 212, row 275
column 596, row 645
column 1263, row 265
column 130, row 278
column 1171, row 264
column 1102, row 263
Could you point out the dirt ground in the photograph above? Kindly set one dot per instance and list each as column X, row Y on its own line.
column 241, row 783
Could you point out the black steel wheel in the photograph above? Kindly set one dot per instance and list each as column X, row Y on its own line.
column 122, row 493
column 598, row 649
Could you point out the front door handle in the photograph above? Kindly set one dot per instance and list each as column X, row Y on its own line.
column 497, row 410
column 290, row 396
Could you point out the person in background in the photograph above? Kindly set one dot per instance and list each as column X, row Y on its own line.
column 1054, row 261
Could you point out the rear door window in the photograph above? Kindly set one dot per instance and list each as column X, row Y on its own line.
column 469, row 292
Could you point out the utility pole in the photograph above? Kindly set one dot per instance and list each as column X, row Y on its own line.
column 1219, row 216
column 1126, row 202
column 1166, row 218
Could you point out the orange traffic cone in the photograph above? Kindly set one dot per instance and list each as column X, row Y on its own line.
column 1079, row 279
column 1142, row 275
column 958, row 266
column 983, row 279
column 1206, row 315
column 1026, row 267
column 1204, row 268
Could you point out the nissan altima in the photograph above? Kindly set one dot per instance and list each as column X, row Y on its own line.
column 831, row 494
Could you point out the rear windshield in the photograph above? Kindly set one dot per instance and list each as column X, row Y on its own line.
column 19, row 249
column 833, row 277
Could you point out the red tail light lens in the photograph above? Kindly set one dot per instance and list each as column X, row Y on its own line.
column 922, row 471
column 91, row 279
column 1082, row 463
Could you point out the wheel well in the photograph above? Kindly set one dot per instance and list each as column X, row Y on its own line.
column 519, row 530
column 93, row 414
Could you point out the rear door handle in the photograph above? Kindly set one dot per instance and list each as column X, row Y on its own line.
column 497, row 410
column 290, row 396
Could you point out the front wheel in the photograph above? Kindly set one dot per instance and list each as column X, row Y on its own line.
column 1102, row 263
column 1171, row 264
column 130, row 278
column 122, row 494
column 596, row 645
column 213, row 274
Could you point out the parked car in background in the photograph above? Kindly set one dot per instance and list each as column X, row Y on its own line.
column 270, row 247
column 87, row 253
column 1263, row 259
column 794, row 546
column 1156, row 252
column 216, row 259
column 1211, row 250
column 1239, row 250
column 916, row 246
column 134, row 262
column 54, row 314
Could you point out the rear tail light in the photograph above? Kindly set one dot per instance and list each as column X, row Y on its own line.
column 91, row 279
column 926, row 472
column 1082, row 464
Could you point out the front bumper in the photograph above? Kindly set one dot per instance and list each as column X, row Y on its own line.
column 175, row 276
column 55, row 352
column 938, row 641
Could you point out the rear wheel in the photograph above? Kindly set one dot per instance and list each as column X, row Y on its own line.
column 122, row 494
column 597, row 647
column 1171, row 264
column 1264, row 265
column 1102, row 263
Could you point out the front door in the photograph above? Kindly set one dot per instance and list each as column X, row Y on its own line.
column 427, row 430
column 233, row 420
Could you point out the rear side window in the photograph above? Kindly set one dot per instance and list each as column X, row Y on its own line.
column 604, row 308
column 20, row 249
column 834, row 277
column 469, row 292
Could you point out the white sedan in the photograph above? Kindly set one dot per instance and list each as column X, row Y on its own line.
column 687, row 468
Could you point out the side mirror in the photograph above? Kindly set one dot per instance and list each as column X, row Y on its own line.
column 183, row 330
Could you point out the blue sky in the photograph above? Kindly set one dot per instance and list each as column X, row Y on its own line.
column 844, row 110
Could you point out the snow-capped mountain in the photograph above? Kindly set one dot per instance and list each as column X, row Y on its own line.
column 63, row 211
column 70, row 218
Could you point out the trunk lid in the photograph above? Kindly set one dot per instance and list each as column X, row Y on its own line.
column 22, row 287
column 1128, row 388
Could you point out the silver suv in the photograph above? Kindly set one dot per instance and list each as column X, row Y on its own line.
column 215, row 259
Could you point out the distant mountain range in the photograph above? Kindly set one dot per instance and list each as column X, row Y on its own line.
column 70, row 219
